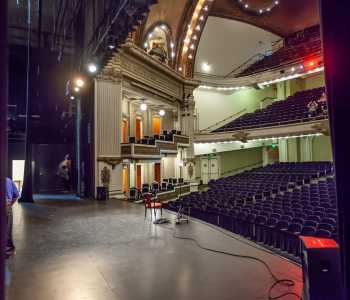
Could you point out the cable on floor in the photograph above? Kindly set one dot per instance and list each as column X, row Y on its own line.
column 285, row 282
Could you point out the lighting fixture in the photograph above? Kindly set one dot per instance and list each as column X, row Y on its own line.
column 143, row 106
column 206, row 67
column 190, row 56
column 79, row 82
column 163, row 27
column 92, row 68
column 162, row 112
column 76, row 89
column 180, row 69
column 72, row 97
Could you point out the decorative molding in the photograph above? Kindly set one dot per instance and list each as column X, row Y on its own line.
column 322, row 127
column 112, row 161
column 241, row 136
column 288, row 130
column 135, row 64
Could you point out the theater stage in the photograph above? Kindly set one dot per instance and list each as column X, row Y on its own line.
column 86, row 250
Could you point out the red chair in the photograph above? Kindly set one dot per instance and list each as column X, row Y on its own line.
column 152, row 203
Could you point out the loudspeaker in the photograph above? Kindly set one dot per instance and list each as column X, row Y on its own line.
column 321, row 269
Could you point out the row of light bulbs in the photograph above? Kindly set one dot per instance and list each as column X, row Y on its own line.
column 193, row 29
column 266, row 139
column 143, row 107
column 219, row 88
column 292, row 76
column 260, row 11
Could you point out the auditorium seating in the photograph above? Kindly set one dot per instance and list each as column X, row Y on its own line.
column 151, row 140
column 291, row 110
column 272, row 205
column 300, row 46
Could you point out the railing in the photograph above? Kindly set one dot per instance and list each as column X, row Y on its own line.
column 209, row 128
column 242, row 169
column 246, row 64
column 273, row 124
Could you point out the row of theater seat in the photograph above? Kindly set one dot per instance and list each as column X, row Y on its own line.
column 271, row 205
column 147, row 140
column 168, row 184
column 291, row 110
column 294, row 50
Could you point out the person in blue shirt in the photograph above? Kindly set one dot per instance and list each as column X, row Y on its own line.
column 12, row 195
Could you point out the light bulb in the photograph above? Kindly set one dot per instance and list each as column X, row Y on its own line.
column 162, row 112
column 80, row 82
column 92, row 68
column 143, row 106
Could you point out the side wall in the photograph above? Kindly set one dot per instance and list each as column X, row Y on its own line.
column 235, row 160
column 322, row 148
column 212, row 106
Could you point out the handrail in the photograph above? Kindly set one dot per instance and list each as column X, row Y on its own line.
column 238, row 170
column 233, row 115
column 256, row 57
column 222, row 121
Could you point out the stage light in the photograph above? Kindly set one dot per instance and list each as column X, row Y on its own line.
column 143, row 106
column 92, row 68
column 162, row 112
column 79, row 82
column 311, row 63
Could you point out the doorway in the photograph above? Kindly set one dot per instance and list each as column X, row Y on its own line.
column 138, row 176
column 138, row 129
column 156, row 125
column 18, row 173
column 157, row 172
column 209, row 169
column 125, row 131
column 125, row 179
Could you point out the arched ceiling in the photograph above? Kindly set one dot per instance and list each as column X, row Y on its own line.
column 226, row 44
column 170, row 12
column 288, row 17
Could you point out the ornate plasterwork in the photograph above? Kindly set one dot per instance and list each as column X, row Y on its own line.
column 136, row 65
column 322, row 127
column 112, row 161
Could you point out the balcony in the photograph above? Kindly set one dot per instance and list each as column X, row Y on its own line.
column 154, row 147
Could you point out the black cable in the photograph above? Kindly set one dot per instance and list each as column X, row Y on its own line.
column 239, row 239
column 277, row 281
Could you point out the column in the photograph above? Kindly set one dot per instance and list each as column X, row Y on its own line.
column 283, row 150
column 108, row 129
column 336, row 48
column 265, row 156
column 306, row 148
